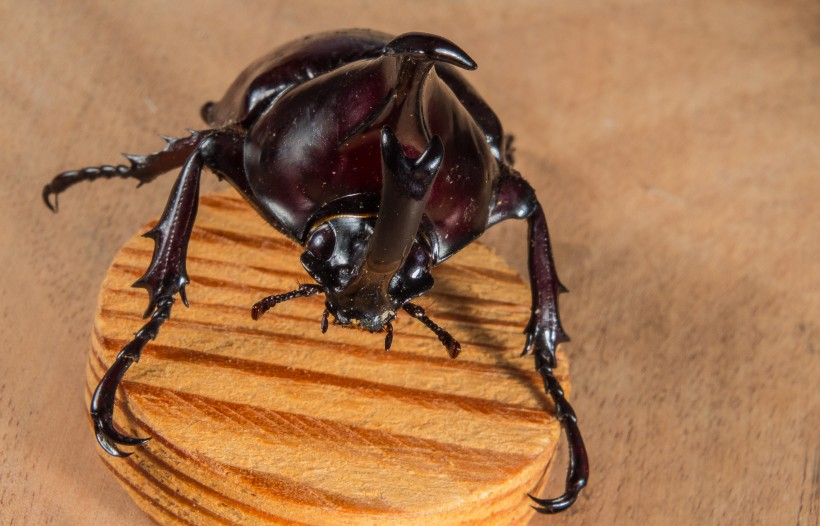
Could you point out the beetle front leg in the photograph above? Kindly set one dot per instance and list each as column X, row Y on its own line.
column 516, row 200
column 102, row 403
column 166, row 276
column 544, row 333
column 578, row 470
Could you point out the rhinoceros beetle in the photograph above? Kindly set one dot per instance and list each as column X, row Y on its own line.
column 377, row 156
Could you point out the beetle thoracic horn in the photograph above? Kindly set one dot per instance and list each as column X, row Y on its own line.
column 431, row 47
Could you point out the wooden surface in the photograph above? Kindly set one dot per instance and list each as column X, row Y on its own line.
column 270, row 422
column 674, row 146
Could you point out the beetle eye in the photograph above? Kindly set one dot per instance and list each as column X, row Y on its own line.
column 322, row 243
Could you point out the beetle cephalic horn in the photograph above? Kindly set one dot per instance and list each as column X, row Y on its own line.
column 406, row 185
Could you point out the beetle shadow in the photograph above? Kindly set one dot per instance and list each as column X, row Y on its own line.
column 447, row 294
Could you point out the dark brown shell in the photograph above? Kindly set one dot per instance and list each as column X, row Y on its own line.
column 313, row 110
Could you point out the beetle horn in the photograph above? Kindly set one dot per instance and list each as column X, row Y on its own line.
column 429, row 47
column 406, row 184
column 416, row 54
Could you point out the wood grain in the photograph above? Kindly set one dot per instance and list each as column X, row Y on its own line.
column 271, row 422
column 674, row 146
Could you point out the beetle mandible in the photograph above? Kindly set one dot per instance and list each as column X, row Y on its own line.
column 377, row 156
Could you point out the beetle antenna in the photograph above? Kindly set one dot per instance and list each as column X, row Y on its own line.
column 452, row 345
column 264, row 305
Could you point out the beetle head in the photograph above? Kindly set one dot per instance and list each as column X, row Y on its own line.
column 355, row 294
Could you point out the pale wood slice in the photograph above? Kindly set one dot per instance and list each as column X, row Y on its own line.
column 272, row 422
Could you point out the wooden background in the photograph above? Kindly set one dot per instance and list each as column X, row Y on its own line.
column 675, row 146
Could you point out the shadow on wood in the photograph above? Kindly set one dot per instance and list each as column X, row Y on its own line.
column 272, row 422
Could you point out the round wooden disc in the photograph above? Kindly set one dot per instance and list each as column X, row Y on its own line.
column 273, row 422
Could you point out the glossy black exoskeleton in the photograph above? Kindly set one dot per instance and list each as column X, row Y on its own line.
column 377, row 156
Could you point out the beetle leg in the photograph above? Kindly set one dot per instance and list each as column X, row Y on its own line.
column 144, row 168
column 544, row 333
column 388, row 338
column 453, row 347
column 264, row 305
column 102, row 403
column 516, row 200
column 578, row 470
column 325, row 314
column 166, row 276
